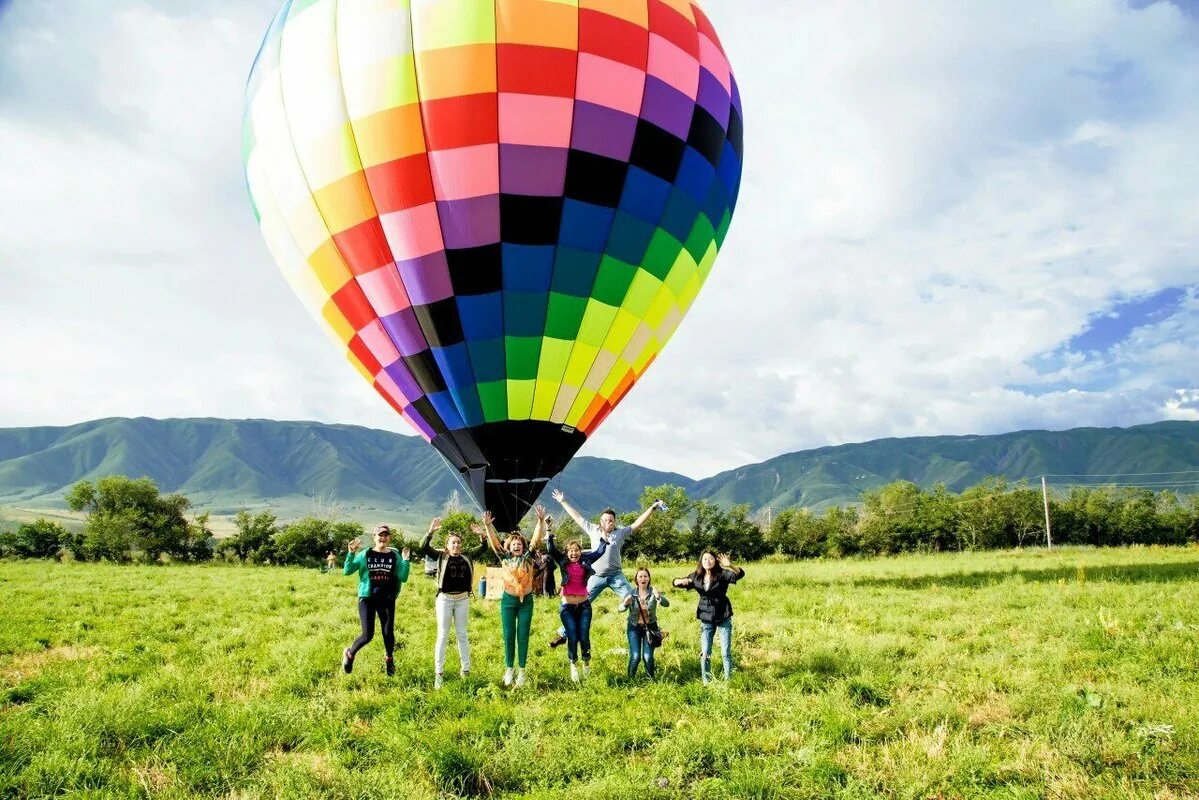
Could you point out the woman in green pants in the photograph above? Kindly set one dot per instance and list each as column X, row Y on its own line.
column 516, row 603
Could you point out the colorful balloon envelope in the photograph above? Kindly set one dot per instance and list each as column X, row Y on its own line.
column 502, row 209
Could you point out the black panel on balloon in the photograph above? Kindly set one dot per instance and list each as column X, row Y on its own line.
column 429, row 414
column 736, row 133
column 595, row 179
column 657, row 151
column 530, row 220
column 706, row 136
column 476, row 270
column 427, row 375
column 520, row 460
column 440, row 322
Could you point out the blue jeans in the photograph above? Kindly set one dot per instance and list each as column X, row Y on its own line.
column 640, row 650
column 706, row 632
column 576, row 620
column 596, row 585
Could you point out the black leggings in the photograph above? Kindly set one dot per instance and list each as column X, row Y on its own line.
column 368, row 607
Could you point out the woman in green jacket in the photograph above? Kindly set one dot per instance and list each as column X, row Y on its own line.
column 381, row 570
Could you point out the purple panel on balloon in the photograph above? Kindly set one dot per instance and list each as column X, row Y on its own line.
column 667, row 107
column 471, row 222
column 427, row 279
column 405, row 332
column 530, row 170
column 603, row 131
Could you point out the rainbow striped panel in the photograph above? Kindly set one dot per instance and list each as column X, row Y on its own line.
column 501, row 209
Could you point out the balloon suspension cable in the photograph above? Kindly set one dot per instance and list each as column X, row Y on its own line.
column 466, row 492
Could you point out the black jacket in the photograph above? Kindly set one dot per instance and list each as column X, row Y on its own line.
column 714, row 606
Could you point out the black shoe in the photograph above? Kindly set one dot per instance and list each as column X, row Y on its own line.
column 558, row 641
column 389, row 664
column 347, row 662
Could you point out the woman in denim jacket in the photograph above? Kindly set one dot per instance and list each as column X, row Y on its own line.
column 642, row 605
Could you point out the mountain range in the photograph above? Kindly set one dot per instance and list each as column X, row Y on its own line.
column 224, row 465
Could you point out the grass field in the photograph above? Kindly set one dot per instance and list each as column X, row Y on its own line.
column 1070, row 674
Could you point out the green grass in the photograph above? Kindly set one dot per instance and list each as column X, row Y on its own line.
column 1071, row 674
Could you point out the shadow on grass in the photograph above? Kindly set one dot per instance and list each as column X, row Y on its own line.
column 1131, row 573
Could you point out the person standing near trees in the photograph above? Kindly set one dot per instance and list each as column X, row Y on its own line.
column 642, row 606
column 609, row 570
column 381, row 570
column 516, row 603
column 576, row 607
column 454, row 578
column 711, row 580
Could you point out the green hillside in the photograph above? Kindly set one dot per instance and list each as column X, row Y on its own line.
column 832, row 475
column 224, row 465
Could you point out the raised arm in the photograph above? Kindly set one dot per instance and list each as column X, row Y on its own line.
column 569, row 509
column 489, row 532
column 731, row 574
column 405, row 564
column 426, row 544
column 539, row 531
column 353, row 562
column 637, row 523
column 551, row 548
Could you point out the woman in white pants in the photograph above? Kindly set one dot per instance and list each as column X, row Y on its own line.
column 454, row 581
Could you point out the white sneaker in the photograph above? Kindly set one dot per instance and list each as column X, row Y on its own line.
column 437, row 679
column 586, row 670
column 508, row 676
column 574, row 672
column 520, row 678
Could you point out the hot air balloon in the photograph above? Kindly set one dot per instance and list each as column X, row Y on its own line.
column 502, row 209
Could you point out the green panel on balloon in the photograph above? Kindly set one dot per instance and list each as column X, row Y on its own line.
column 564, row 315
column 663, row 249
column 612, row 281
column 494, row 397
column 701, row 236
column 722, row 229
column 523, row 353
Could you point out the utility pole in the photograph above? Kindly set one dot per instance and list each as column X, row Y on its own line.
column 1045, row 497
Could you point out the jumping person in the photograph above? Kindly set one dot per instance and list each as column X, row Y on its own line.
column 454, row 570
column 576, row 607
column 381, row 571
column 642, row 605
column 714, row 609
column 608, row 568
column 516, row 603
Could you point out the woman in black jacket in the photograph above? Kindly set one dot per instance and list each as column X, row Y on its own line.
column 712, row 583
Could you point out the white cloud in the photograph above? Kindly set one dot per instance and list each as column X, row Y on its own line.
column 934, row 197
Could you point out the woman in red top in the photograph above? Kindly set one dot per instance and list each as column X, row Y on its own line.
column 576, row 607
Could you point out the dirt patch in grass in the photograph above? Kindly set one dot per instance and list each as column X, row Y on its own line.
column 29, row 665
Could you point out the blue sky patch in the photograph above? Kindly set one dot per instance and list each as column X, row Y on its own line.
column 1110, row 328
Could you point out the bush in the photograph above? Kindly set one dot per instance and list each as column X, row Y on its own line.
column 39, row 539
column 307, row 540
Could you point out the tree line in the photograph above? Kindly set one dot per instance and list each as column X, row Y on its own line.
column 130, row 520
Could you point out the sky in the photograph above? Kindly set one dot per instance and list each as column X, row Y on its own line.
column 955, row 218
